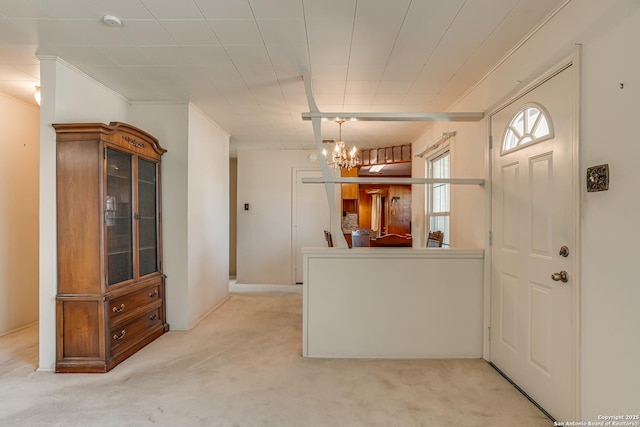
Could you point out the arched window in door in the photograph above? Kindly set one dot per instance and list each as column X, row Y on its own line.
column 529, row 125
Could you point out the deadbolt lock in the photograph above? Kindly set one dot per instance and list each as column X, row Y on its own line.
column 564, row 251
column 560, row 277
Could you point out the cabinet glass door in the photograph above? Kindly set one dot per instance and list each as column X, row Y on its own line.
column 118, row 209
column 147, row 217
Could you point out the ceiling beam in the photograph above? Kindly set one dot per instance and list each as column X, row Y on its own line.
column 397, row 117
column 392, row 180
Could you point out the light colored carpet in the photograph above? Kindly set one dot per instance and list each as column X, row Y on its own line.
column 241, row 366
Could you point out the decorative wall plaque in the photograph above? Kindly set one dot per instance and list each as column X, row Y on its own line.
column 598, row 178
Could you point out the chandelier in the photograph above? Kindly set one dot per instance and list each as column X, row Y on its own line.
column 340, row 157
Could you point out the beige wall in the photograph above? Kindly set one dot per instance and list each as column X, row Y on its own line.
column 19, row 163
column 264, row 232
column 468, row 214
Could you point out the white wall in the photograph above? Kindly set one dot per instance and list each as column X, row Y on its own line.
column 168, row 122
column 378, row 302
column 19, row 163
column 264, row 245
column 610, row 230
column 70, row 96
column 608, row 277
column 67, row 96
column 195, row 207
column 208, row 215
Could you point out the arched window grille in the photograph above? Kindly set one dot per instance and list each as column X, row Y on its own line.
column 529, row 125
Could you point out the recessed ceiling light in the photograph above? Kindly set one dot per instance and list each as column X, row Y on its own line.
column 112, row 21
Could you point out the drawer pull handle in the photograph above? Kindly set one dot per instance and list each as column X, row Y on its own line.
column 119, row 337
column 153, row 294
column 154, row 316
column 118, row 310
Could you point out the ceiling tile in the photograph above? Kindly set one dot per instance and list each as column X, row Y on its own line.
column 388, row 98
column 128, row 55
column 330, row 98
column 190, row 32
column 289, row 56
column 417, row 98
column 18, row 33
column 22, row 9
column 225, row 9
column 150, row 74
column 68, row 9
column 50, row 31
column 18, row 54
column 329, row 22
column 183, row 9
column 147, row 33
column 402, row 71
column 282, row 31
column 96, row 33
column 31, row 70
column 109, row 75
column 329, row 71
column 180, row 73
column 9, row 72
column 395, row 87
column 321, row 55
column 367, row 54
column 359, row 98
column 404, row 55
column 123, row 9
column 266, row 95
column 294, row 93
column 362, row 86
column 86, row 55
column 221, row 72
column 276, row 9
column 236, row 32
column 257, row 74
column 167, row 55
column 378, row 23
column 252, row 55
column 366, row 72
column 328, row 86
column 207, row 55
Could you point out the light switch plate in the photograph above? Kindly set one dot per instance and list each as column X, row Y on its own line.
column 598, row 178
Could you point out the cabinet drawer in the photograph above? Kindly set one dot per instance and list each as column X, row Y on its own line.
column 126, row 303
column 128, row 333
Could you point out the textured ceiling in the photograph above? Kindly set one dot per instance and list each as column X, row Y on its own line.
column 242, row 61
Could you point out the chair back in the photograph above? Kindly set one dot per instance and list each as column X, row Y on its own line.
column 392, row 240
column 328, row 238
column 435, row 239
column 360, row 237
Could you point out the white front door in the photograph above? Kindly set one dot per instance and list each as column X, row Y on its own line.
column 533, row 217
column 310, row 216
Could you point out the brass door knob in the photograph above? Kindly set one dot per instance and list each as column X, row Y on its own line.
column 560, row 277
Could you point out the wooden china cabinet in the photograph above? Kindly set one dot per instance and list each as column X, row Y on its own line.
column 111, row 289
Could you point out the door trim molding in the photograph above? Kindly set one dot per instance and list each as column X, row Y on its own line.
column 573, row 60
